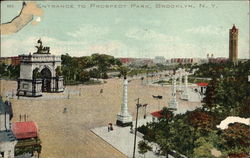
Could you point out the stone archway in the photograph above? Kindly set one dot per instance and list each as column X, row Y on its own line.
column 46, row 79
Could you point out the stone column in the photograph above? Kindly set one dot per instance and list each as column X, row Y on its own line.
column 124, row 118
column 180, row 82
column 184, row 95
column 173, row 103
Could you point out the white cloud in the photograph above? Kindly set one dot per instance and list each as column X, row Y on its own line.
column 89, row 31
column 13, row 47
column 149, row 35
column 207, row 30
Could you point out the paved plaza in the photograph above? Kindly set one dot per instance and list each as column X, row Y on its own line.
column 68, row 134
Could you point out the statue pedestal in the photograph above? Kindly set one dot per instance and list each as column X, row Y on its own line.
column 173, row 104
column 185, row 96
column 179, row 89
column 124, row 120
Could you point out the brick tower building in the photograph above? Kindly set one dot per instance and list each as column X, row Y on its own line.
column 233, row 44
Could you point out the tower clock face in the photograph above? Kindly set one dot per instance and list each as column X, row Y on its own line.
column 234, row 35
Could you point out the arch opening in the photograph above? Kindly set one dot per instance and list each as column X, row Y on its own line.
column 46, row 80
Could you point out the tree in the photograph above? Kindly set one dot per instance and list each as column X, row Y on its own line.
column 123, row 71
column 84, row 76
column 237, row 138
column 201, row 120
column 144, row 147
column 94, row 73
column 210, row 96
column 203, row 151
column 3, row 70
column 58, row 71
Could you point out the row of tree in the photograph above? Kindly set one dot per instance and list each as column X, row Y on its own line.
column 9, row 71
column 81, row 69
column 194, row 133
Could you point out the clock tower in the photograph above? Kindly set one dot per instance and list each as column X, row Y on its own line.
column 233, row 44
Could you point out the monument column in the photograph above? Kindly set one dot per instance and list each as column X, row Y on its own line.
column 124, row 118
column 180, row 82
column 185, row 93
column 173, row 103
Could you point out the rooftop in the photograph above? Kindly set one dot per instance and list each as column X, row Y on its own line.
column 157, row 114
column 24, row 130
column 202, row 84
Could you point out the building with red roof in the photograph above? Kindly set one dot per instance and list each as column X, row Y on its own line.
column 26, row 134
column 24, row 130
column 156, row 116
column 202, row 86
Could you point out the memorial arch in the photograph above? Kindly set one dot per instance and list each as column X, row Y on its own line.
column 38, row 73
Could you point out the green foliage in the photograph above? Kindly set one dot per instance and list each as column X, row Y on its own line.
column 81, row 69
column 58, row 71
column 229, row 90
column 94, row 73
column 203, row 151
column 84, row 76
column 143, row 147
column 201, row 121
column 9, row 71
column 237, row 138
column 123, row 71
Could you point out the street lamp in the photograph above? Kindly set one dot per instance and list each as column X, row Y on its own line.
column 145, row 106
column 138, row 105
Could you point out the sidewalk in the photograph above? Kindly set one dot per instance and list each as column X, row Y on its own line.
column 121, row 139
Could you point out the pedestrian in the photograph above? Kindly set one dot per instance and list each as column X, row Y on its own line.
column 111, row 127
column 108, row 128
column 131, row 128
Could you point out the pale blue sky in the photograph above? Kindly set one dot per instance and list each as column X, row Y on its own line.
column 132, row 32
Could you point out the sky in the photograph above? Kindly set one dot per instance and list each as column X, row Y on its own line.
column 137, row 29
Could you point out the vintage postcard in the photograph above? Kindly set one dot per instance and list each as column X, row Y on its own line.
column 116, row 79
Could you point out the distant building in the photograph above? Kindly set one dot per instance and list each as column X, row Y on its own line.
column 137, row 61
column 202, row 87
column 212, row 59
column 126, row 61
column 188, row 60
column 182, row 60
column 15, row 60
column 159, row 60
column 5, row 60
column 40, row 72
column 233, row 44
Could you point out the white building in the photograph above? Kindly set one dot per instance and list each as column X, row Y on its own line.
column 39, row 73
column 159, row 60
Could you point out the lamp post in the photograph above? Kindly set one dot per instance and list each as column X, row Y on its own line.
column 145, row 114
column 138, row 105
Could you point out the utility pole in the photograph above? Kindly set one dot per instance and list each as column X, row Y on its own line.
column 138, row 105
